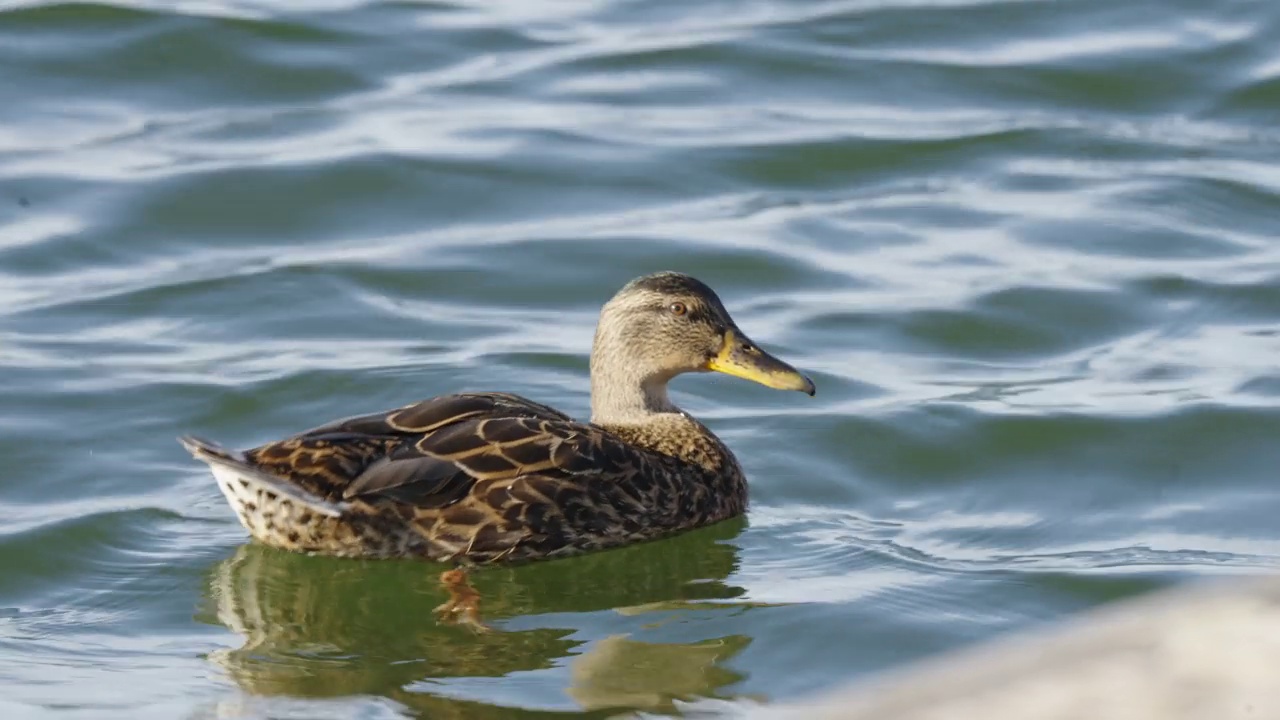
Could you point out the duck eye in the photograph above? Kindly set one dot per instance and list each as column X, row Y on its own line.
column 678, row 308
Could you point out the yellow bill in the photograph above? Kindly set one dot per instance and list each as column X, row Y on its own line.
column 742, row 358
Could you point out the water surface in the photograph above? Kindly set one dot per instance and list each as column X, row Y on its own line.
column 1026, row 250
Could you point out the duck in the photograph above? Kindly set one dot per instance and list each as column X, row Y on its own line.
column 475, row 478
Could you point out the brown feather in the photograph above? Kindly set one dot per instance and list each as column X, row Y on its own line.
column 486, row 477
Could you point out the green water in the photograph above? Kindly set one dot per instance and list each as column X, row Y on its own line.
column 1026, row 250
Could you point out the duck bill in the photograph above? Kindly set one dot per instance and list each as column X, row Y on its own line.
column 742, row 358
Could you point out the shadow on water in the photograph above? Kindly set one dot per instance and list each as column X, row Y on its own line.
column 317, row 627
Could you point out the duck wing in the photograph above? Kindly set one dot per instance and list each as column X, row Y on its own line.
column 435, row 413
column 432, row 454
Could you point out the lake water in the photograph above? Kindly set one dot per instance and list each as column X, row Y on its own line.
column 1027, row 251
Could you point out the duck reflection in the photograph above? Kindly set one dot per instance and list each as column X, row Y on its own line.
column 322, row 627
column 619, row 672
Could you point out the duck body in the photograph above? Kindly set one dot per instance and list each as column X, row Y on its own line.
column 489, row 477
column 477, row 478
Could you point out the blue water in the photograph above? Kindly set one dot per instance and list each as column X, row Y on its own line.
column 1025, row 249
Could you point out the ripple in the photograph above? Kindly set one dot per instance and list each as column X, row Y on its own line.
column 1025, row 249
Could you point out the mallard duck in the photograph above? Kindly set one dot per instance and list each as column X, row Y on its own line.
column 484, row 477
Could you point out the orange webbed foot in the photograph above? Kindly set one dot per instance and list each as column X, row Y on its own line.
column 463, row 605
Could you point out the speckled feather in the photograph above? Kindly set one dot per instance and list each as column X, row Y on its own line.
column 479, row 478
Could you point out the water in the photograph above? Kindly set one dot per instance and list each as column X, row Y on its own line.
column 1027, row 251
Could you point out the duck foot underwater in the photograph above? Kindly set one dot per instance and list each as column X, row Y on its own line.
column 463, row 605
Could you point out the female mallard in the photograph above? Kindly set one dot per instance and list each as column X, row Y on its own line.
column 485, row 477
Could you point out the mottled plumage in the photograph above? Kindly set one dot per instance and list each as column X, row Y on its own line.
column 485, row 477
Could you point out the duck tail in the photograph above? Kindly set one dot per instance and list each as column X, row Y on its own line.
column 231, row 467
column 210, row 451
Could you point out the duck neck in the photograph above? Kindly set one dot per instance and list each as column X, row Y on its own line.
column 620, row 398
column 623, row 392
